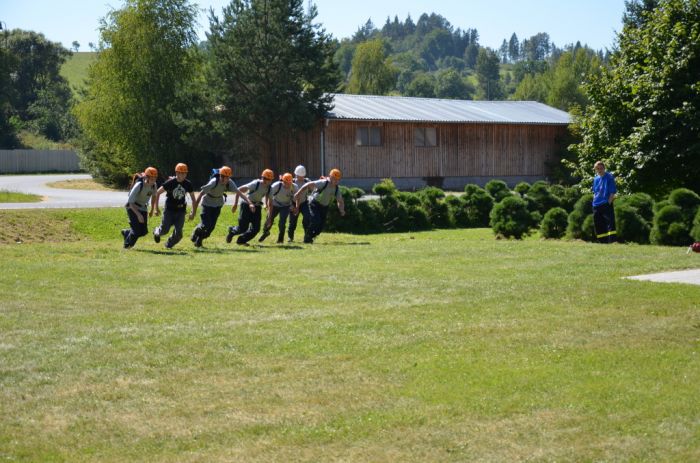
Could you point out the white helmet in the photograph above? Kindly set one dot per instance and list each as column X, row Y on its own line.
column 300, row 170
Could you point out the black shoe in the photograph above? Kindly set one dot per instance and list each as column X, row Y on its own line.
column 264, row 235
column 231, row 233
column 198, row 242
column 194, row 236
column 280, row 241
column 156, row 235
column 290, row 240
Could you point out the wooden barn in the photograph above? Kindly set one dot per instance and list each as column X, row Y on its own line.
column 425, row 141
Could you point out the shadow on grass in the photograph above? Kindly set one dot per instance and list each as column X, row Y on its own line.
column 344, row 243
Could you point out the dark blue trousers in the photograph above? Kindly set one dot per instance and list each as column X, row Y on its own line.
column 304, row 212
column 137, row 229
column 248, row 223
column 604, row 223
column 209, row 216
column 172, row 218
column 318, row 215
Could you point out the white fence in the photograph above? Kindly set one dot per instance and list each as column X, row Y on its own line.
column 30, row 161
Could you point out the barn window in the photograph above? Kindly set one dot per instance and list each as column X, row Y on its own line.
column 369, row 136
column 425, row 136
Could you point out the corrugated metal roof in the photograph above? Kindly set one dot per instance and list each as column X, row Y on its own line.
column 409, row 109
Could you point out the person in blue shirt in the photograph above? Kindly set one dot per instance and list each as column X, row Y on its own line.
column 604, row 190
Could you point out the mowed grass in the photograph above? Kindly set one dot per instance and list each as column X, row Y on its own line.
column 436, row 346
column 15, row 197
column 75, row 69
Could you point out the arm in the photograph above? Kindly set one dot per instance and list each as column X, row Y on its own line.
column 136, row 211
column 194, row 206
column 306, row 186
column 156, row 199
column 341, row 206
column 196, row 202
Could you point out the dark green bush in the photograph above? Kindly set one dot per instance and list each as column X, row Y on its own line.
column 567, row 196
column 540, row 198
column 554, row 223
column 670, row 227
column 477, row 204
column 497, row 189
column 458, row 212
column 588, row 229
column 583, row 209
column 642, row 202
column 630, row 225
column 522, row 188
column 686, row 199
column 695, row 232
column 660, row 205
column 438, row 212
column 384, row 188
column 511, row 218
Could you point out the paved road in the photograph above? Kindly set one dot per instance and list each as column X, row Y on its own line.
column 55, row 197
column 683, row 276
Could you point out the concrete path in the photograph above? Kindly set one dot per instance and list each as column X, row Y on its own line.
column 691, row 277
column 55, row 197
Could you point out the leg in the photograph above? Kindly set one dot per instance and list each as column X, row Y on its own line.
column 284, row 213
column 137, row 229
column 254, row 228
column 604, row 223
column 293, row 218
column 178, row 220
column 164, row 227
column 315, row 222
column 271, row 214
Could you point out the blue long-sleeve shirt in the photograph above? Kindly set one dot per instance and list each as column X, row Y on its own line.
column 603, row 187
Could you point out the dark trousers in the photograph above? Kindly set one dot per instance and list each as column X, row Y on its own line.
column 209, row 216
column 604, row 223
column 283, row 212
column 172, row 218
column 317, row 217
column 137, row 229
column 304, row 212
column 248, row 223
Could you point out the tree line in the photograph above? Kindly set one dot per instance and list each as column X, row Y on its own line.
column 155, row 95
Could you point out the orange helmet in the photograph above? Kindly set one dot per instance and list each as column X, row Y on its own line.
column 268, row 174
column 180, row 167
column 287, row 178
column 151, row 172
column 225, row 171
column 335, row 173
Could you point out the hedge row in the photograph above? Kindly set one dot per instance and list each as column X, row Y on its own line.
column 554, row 210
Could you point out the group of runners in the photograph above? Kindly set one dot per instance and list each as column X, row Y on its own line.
column 287, row 197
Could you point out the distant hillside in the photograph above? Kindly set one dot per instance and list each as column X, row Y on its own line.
column 75, row 69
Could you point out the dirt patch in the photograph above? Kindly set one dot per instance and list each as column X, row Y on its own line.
column 35, row 227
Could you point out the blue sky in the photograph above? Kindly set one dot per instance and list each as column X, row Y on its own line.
column 593, row 22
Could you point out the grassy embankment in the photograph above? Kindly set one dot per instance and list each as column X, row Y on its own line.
column 436, row 346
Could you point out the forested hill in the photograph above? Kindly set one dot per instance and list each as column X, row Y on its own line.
column 431, row 58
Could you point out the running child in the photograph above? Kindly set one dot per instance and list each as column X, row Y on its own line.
column 213, row 196
column 279, row 202
column 324, row 190
column 176, row 188
column 143, row 189
column 302, row 205
column 249, row 218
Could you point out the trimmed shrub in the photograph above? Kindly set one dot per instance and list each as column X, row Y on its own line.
column 686, row 199
column 695, row 232
column 438, row 212
column 457, row 211
column 642, row 202
column 419, row 218
column 583, row 209
column 567, row 196
column 540, row 198
column 660, row 205
column 588, row 229
column 670, row 227
column 477, row 204
column 554, row 223
column 511, row 218
column 384, row 188
column 498, row 190
column 630, row 225
column 522, row 188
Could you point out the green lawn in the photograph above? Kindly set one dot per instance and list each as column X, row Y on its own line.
column 436, row 346
column 75, row 69
column 15, row 197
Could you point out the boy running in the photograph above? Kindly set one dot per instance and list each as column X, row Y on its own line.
column 249, row 218
column 279, row 201
column 212, row 198
column 176, row 188
column 302, row 205
column 142, row 192
column 324, row 190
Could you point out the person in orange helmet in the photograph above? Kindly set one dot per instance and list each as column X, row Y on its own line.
column 142, row 191
column 279, row 202
column 249, row 219
column 213, row 196
column 324, row 191
column 176, row 188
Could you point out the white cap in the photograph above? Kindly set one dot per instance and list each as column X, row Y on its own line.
column 300, row 170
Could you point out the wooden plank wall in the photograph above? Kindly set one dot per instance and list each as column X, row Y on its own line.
column 463, row 150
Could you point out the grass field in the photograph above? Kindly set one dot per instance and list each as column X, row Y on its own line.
column 437, row 346
column 15, row 197
column 75, row 69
